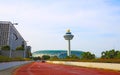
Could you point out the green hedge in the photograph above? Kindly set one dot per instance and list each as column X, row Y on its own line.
column 5, row 48
column 20, row 48
column 7, row 59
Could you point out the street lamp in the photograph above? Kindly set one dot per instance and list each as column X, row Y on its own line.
column 14, row 23
column 68, row 36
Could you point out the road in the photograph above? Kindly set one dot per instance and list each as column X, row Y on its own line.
column 6, row 65
column 38, row 68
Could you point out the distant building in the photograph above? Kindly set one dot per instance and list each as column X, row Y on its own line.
column 10, row 36
column 58, row 53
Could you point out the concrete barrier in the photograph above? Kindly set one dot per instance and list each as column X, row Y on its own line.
column 111, row 66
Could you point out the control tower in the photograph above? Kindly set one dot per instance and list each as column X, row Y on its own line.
column 68, row 36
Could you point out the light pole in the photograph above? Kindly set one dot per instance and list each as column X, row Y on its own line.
column 68, row 36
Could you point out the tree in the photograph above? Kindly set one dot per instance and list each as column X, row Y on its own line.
column 36, row 58
column 118, row 54
column 103, row 54
column 110, row 54
column 5, row 47
column 45, row 57
column 54, row 58
column 87, row 55
column 72, row 57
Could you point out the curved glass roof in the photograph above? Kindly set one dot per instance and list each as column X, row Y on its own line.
column 59, row 53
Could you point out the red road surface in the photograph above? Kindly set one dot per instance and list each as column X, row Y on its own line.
column 38, row 68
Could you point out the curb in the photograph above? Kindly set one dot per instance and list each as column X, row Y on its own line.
column 110, row 66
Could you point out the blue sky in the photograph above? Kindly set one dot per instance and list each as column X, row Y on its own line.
column 95, row 24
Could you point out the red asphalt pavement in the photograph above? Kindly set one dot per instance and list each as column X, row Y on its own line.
column 38, row 68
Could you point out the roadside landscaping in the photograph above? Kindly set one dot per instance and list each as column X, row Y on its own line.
column 109, row 56
column 109, row 66
column 92, row 60
column 7, row 59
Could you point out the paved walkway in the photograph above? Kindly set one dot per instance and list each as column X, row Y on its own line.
column 6, row 65
column 38, row 68
column 8, row 71
column 8, row 68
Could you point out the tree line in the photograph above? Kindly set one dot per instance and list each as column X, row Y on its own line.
column 109, row 54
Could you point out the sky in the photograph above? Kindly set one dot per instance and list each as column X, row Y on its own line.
column 95, row 24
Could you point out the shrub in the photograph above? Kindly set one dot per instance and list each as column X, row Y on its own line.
column 87, row 55
column 20, row 48
column 18, row 59
column 5, row 59
column 36, row 58
column 5, row 47
column 45, row 57
column 72, row 57
column 27, row 59
column 118, row 55
column 54, row 58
